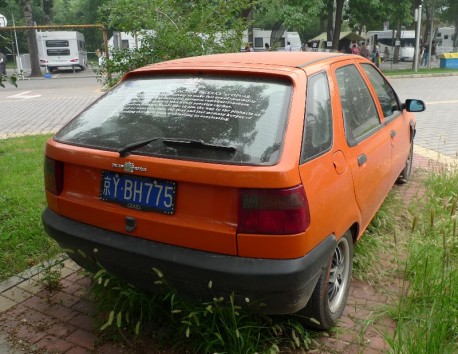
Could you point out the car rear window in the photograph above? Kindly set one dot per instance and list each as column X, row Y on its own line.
column 238, row 120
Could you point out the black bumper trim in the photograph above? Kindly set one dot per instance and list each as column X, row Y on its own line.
column 284, row 285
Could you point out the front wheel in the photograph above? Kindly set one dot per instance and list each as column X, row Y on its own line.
column 329, row 298
column 407, row 170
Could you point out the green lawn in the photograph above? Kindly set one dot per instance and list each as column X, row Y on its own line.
column 23, row 242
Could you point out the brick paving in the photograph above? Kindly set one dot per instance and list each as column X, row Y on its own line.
column 35, row 320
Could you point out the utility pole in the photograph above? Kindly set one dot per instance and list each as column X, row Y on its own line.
column 417, row 39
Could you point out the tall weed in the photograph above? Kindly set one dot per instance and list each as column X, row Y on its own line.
column 427, row 314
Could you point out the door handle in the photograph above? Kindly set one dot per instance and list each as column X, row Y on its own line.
column 393, row 134
column 362, row 159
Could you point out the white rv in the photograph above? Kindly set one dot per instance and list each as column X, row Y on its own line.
column 387, row 42
column 444, row 39
column 61, row 49
column 261, row 37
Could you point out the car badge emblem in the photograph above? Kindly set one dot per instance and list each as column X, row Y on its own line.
column 128, row 167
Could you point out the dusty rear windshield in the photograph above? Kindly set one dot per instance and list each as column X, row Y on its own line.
column 246, row 116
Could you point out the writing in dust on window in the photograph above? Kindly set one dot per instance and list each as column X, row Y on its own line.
column 201, row 104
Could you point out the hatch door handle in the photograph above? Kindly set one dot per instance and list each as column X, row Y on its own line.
column 362, row 159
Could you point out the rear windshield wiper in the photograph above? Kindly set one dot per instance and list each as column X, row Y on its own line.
column 198, row 144
column 137, row 145
column 166, row 141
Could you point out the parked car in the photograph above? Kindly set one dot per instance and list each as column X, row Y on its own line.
column 256, row 171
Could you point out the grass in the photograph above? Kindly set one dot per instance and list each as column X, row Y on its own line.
column 427, row 314
column 23, row 242
column 422, row 240
column 420, row 71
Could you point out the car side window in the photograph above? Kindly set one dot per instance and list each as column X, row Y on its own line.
column 317, row 136
column 358, row 108
column 385, row 93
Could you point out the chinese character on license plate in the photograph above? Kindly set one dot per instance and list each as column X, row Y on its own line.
column 137, row 192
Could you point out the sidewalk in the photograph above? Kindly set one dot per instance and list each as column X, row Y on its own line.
column 35, row 320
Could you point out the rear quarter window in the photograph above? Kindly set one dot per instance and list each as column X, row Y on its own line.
column 246, row 113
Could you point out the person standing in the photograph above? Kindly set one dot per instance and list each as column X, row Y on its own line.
column 375, row 55
column 2, row 64
column 425, row 56
column 288, row 47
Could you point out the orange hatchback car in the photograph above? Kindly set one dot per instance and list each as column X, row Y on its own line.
column 255, row 171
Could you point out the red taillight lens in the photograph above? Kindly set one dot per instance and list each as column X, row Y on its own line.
column 273, row 211
column 54, row 175
column 73, row 60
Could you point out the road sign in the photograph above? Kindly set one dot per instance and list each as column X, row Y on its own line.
column 3, row 21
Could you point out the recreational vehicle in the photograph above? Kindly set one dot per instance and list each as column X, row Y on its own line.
column 61, row 49
column 387, row 43
column 444, row 39
column 261, row 37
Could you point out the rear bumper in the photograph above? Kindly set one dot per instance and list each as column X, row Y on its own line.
column 283, row 285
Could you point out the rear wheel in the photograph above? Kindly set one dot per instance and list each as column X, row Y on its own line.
column 329, row 298
column 407, row 171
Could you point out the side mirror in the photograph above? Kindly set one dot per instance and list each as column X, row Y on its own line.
column 412, row 105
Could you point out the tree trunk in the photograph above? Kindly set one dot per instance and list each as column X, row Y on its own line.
column 397, row 48
column 31, row 39
column 338, row 24
column 330, row 27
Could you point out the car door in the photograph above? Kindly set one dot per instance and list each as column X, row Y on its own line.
column 399, row 126
column 368, row 149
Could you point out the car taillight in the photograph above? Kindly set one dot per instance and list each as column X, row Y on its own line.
column 73, row 60
column 54, row 176
column 273, row 211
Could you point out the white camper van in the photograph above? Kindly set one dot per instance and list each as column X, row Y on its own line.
column 62, row 49
column 386, row 39
column 444, row 39
column 261, row 37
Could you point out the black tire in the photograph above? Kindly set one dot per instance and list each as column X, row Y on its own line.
column 329, row 298
column 404, row 177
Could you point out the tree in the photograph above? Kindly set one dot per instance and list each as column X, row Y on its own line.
column 176, row 29
column 31, row 39
column 294, row 14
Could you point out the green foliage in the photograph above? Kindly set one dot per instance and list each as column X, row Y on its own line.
column 296, row 15
column 427, row 314
column 12, row 80
column 379, row 240
column 23, row 242
column 216, row 326
column 176, row 30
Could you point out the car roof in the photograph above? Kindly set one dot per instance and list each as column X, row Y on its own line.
column 256, row 59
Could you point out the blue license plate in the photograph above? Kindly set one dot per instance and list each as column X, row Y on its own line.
column 140, row 193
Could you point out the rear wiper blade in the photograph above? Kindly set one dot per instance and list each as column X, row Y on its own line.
column 198, row 143
column 137, row 145
column 124, row 152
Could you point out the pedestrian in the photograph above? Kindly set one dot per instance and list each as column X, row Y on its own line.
column 267, row 46
column 354, row 49
column 2, row 64
column 425, row 56
column 363, row 51
column 288, row 47
column 375, row 55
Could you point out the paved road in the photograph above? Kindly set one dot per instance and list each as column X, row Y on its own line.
column 45, row 105
column 437, row 127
